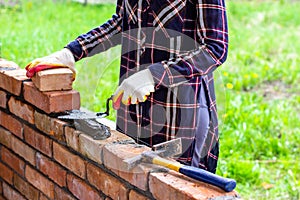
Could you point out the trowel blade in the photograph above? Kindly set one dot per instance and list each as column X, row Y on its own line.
column 78, row 114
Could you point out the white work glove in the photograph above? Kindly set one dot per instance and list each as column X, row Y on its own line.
column 135, row 88
column 62, row 58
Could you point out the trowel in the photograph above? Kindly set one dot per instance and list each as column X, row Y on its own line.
column 88, row 122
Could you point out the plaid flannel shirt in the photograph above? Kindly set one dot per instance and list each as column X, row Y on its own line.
column 182, row 42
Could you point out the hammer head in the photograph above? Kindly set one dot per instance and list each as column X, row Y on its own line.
column 166, row 149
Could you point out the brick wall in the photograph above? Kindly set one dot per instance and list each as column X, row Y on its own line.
column 42, row 157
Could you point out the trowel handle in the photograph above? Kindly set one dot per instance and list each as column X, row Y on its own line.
column 116, row 106
column 106, row 113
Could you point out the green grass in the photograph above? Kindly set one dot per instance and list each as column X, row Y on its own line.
column 258, row 86
column 260, row 134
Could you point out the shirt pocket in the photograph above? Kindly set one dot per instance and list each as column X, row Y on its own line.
column 168, row 16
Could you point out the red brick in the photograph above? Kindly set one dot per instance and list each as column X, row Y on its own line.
column 23, row 150
column 13, row 161
column 115, row 153
column 80, row 189
column 133, row 195
column 38, row 141
column 26, row 189
column 43, row 197
column 11, row 124
column 10, row 194
column 42, row 122
column 60, row 194
column 6, row 173
column 5, row 137
column 51, row 169
column 114, row 156
column 72, row 138
column 106, row 183
column 93, row 148
column 57, row 129
column 8, row 65
column 21, row 109
column 51, row 102
column 39, row 181
column 3, row 99
column 69, row 160
column 173, row 185
column 51, row 79
column 11, row 81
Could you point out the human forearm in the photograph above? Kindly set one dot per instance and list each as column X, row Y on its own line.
column 100, row 38
column 97, row 40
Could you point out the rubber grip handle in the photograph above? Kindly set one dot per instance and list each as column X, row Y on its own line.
column 226, row 184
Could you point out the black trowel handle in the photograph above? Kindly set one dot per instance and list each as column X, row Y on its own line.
column 106, row 113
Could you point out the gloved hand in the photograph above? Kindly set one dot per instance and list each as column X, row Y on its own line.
column 135, row 88
column 62, row 58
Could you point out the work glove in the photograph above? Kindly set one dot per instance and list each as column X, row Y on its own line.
column 59, row 59
column 135, row 88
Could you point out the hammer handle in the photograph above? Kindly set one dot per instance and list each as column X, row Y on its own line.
column 226, row 184
column 196, row 173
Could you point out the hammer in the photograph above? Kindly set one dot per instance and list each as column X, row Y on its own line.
column 173, row 148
